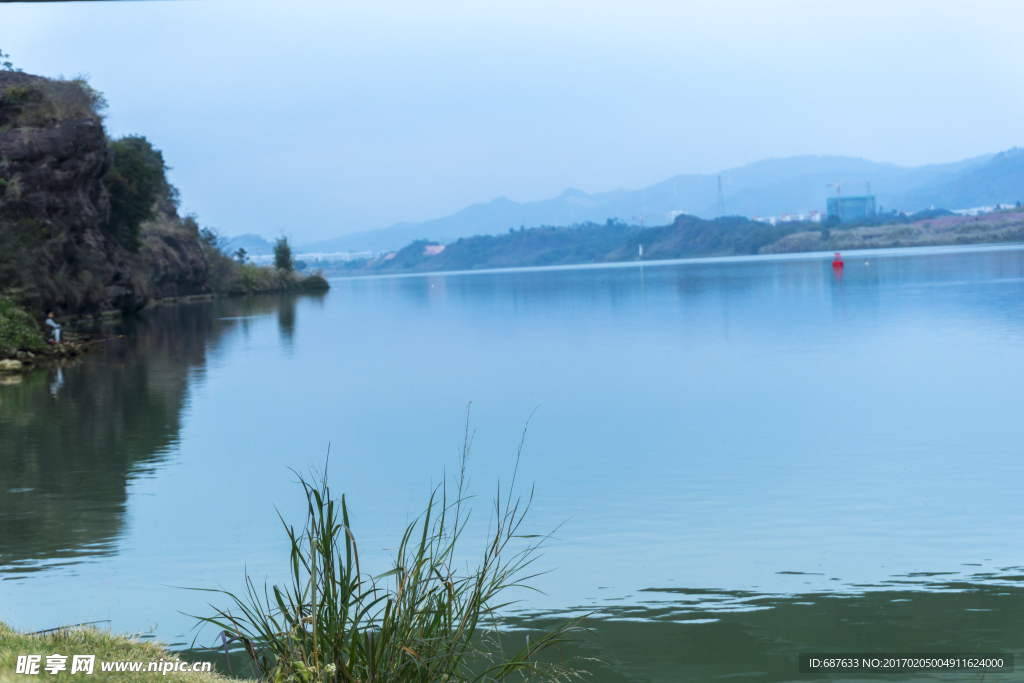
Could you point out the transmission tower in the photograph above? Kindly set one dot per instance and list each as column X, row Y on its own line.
column 720, row 207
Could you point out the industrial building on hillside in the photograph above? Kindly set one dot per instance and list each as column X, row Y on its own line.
column 852, row 209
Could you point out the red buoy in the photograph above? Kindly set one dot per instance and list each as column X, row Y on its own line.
column 837, row 262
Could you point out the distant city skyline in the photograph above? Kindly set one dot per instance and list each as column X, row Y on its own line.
column 321, row 118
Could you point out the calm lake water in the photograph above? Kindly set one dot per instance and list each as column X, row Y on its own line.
column 748, row 458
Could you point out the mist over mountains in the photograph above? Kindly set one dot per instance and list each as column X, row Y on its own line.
column 770, row 187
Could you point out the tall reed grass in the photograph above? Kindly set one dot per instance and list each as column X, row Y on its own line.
column 423, row 621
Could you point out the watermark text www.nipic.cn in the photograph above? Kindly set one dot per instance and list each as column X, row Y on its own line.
column 33, row 665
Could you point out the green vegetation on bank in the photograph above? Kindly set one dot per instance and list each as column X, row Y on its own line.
column 144, row 203
column 250, row 278
column 430, row 618
column 237, row 276
column 90, row 641
column 18, row 329
column 137, row 179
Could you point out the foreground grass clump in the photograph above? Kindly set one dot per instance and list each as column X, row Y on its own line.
column 90, row 641
column 17, row 328
column 426, row 620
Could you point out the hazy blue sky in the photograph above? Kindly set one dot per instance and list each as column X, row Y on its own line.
column 321, row 117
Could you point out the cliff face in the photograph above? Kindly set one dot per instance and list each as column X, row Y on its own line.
column 56, row 246
column 174, row 262
column 53, row 207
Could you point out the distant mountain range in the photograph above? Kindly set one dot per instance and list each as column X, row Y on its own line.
column 765, row 188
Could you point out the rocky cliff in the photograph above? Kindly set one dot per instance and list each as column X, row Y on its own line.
column 57, row 248
column 171, row 256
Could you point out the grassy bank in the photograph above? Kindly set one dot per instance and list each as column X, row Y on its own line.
column 18, row 330
column 23, row 347
column 249, row 278
column 90, row 641
column 235, row 274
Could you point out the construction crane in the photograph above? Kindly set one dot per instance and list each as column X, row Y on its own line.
column 839, row 199
column 839, row 193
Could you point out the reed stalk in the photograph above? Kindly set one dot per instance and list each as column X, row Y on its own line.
column 423, row 621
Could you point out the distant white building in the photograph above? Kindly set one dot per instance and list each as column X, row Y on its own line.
column 978, row 210
column 812, row 217
column 336, row 256
column 318, row 256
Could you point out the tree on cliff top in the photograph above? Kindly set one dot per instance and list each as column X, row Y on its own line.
column 136, row 180
column 283, row 254
column 6, row 65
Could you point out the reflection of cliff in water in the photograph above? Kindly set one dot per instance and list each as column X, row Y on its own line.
column 71, row 440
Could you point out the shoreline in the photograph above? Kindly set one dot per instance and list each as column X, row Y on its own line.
column 16, row 362
column 26, row 361
column 826, row 254
column 1005, row 227
column 105, row 648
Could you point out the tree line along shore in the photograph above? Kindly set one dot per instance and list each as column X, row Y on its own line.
column 686, row 237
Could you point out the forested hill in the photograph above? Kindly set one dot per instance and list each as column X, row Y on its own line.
column 590, row 243
column 689, row 237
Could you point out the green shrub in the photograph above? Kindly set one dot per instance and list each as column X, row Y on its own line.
column 250, row 278
column 222, row 267
column 434, row 620
column 314, row 282
column 136, row 180
column 17, row 328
